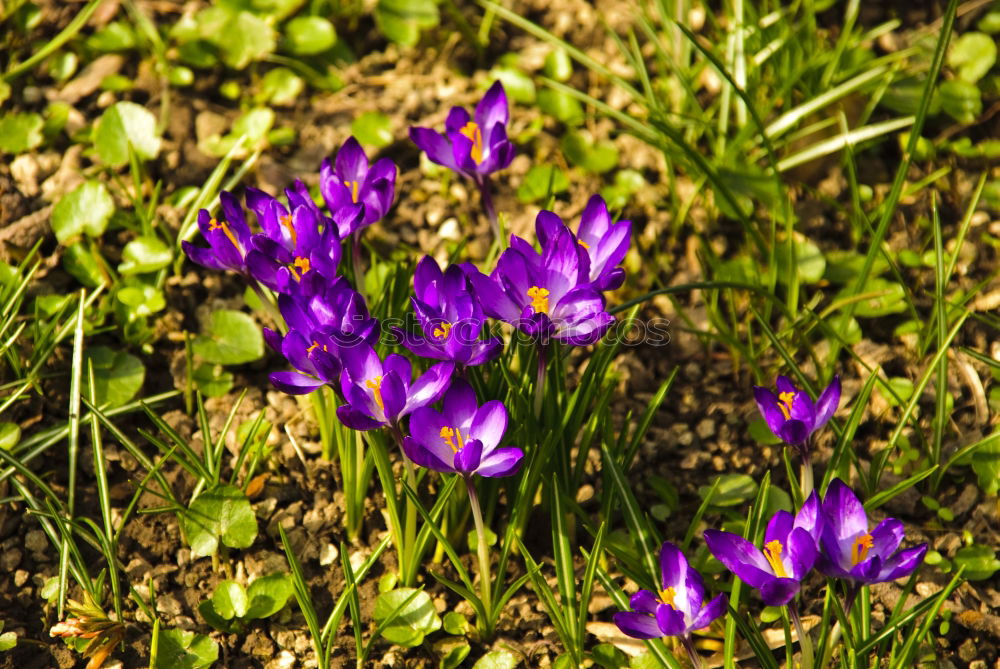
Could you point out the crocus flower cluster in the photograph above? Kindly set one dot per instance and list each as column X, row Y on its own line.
column 834, row 536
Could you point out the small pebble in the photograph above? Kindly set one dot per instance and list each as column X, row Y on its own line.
column 328, row 555
column 35, row 541
column 283, row 660
column 21, row 577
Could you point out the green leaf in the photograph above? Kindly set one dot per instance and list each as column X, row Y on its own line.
column 809, row 262
column 9, row 639
column 561, row 106
column 980, row 562
column 986, row 464
column 281, row 86
column 414, row 620
column 961, row 100
column 145, row 254
column 230, row 600
column 540, row 182
column 255, row 124
column 761, row 432
column 453, row 652
column 179, row 649
column 268, row 595
column 609, row 657
column 232, row 338
column 213, row 618
column 139, row 299
column 627, row 183
column 116, row 36
column 20, row 132
column 124, row 124
column 222, row 512
column 497, row 659
column 240, row 36
column 557, row 65
column 581, row 150
column 212, row 380
column 733, row 489
column 455, row 623
column 373, row 129
column 972, row 54
column 402, row 20
column 79, row 260
column 518, row 85
column 308, row 35
column 10, row 435
column 902, row 386
column 990, row 23
column 889, row 298
column 118, row 376
column 87, row 209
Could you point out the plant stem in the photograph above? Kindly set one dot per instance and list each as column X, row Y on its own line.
column 692, row 653
column 543, row 356
column 805, row 642
column 806, row 476
column 356, row 263
column 486, row 199
column 484, row 556
column 408, row 569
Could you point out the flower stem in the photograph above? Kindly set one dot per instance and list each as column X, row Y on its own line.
column 806, row 476
column 359, row 284
column 408, row 568
column 484, row 556
column 486, row 199
column 692, row 653
column 543, row 358
column 805, row 641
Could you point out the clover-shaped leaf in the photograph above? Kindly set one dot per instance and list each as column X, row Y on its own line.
column 222, row 513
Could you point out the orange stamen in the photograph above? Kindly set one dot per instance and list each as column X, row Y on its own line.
column 302, row 265
column 442, row 331
column 772, row 552
column 667, row 597
column 215, row 225
column 472, row 131
column 449, row 435
column 286, row 221
column 353, row 185
column 785, row 403
column 861, row 547
column 375, row 385
column 584, row 244
column 539, row 299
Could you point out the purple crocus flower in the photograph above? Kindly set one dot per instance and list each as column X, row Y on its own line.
column 605, row 243
column 677, row 609
column 474, row 146
column 349, row 182
column 379, row 393
column 545, row 295
column 463, row 437
column 228, row 239
column 789, row 553
column 450, row 316
column 853, row 552
column 323, row 317
column 310, row 247
column 791, row 414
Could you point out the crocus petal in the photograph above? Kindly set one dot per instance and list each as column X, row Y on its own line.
column 902, row 563
column 456, row 120
column 810, row 516
column 205, row 257
column 673, row 567
column 670, row 620
column 785, row 385
column 547, row 225
column 429, row 387
column 490, row 424
column 644, row 601
column 793, row 431
column 595, row 219
column 715, row 609
column 351, row 163
column 845, row 515
column 294, row 383
column 740, row 556
column 637, row 625
column 356, row 420
column 767, row 403
column 802, row 552
column 492, row 108
column 437, row 148
column 424, row 457
column 779, row 591
column 827, row 403
column 886, row 537
column 804, row 410
column 779, row 527
column 468, row 457
column 393, row 392
column 460, row 405
column 501, row 462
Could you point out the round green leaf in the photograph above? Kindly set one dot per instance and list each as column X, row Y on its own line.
column 497, row 659
column 140, row 299
column 557, row 65
column 179, row 649
column 230, row 600
column 81, row 262
column 117, row 376
column 540, row 182
column 309, row 35
column 808, row 261
column 518, row 85
column 561, row 106
column 415, row 616
column 124, row 124
column 761, row 432
column 281, row 86
column 10, row 435
column 580, row 148
column 887, row 297
column 222, row 513
column 980, row 562
column 972, row 54
column 961, row 100
column 20, row 132
column 732, row 489
column 268, row 595
column 402, row 20
column 232, row 338
column 84, row 210
column 145, row 254
column 373, row 128
column 212, row 380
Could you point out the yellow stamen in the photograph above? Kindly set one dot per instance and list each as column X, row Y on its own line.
column 442, row 331
column 472, row 131
column 667, row 597
column 375, row 385
column 286, row 221
column 772, row 551
column 302, row 265
column 861, row 547
column 353, row 185
column 449, row 435
column 315, row 345
column 584, row 244
column 785, row 403
column 215, row 225
column 539, row 299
